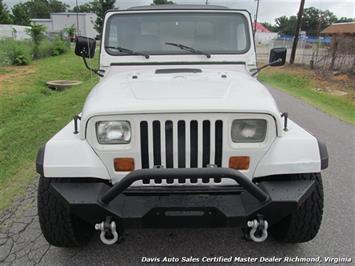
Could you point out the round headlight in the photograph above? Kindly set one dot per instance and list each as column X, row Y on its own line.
column 248, row 130
column 113, row 132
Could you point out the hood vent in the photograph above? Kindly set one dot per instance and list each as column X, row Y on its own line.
column 177, row 70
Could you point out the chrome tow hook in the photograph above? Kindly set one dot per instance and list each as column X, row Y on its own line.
column 258, row 229
column 108, row 235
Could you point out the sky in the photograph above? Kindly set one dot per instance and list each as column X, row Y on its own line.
column 268, row 9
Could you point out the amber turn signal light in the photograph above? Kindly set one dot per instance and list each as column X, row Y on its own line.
column 124, row 164
column 239, row 162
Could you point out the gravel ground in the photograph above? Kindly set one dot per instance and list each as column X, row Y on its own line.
column 21, row 242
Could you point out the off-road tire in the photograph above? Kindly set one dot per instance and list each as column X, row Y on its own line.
column 58, row 225
column 303, row 224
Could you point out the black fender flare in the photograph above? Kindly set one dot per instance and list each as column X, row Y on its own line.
column 40, row 160
column 323, row 152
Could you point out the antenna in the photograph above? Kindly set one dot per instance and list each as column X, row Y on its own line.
column 256, row 15
column 77, row 18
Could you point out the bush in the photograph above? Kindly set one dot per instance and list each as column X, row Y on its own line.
column 44, row 49
column 22, row 53
column 59, row 46
column 4, row 53
column 21, row 57
column 15, row 52
column 48, row 48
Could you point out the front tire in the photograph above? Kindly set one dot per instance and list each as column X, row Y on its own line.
column 59, row 227
column 304, row 223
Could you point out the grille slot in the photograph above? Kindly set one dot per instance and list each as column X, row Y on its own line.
column 206, row 143
column 181, row 144
column 144, row 144
column 156, row 143
column 193, row 144
column 169, row 146
column 219, row 143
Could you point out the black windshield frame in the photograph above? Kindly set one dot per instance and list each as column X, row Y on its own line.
column 181, row 52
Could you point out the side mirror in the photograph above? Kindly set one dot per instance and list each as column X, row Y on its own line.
column 278, row 56
column 85, row 47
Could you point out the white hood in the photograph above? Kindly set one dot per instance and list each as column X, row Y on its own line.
column 207, row 91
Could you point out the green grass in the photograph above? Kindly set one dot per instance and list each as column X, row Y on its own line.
column 300, row 86
column 5, row 71
column 30, row 114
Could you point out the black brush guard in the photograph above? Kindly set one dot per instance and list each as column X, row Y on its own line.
column 183, row 206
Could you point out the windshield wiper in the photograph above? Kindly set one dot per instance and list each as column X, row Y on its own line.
column 188, row 48
column 127, row 51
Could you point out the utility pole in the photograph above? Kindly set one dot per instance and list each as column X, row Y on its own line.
column 206, row 2
column 297, row 32
column 256, row 15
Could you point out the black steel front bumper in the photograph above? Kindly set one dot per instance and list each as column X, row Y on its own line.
column 182, row 206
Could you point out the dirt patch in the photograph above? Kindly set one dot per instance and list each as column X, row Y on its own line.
column 7, row 74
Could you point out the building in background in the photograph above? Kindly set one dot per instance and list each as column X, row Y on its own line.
column 83, row 23
column 15, row 32
column 342, row 45
column 262, row 35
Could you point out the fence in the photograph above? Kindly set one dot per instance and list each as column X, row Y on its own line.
column 313, row 52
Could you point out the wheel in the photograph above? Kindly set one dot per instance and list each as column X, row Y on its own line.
column 303, row 224
column 58, row 225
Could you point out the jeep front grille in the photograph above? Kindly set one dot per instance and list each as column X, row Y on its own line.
column 181, row 144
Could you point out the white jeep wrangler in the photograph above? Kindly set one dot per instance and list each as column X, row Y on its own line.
column 179, row 132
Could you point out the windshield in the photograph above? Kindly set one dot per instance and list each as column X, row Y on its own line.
column 215, row 33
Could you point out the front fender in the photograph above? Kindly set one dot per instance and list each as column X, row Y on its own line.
column 66, row 155
column 297, row 151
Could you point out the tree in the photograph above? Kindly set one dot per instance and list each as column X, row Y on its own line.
column 162, row 2
column 56, row 6
column 85, row 8
column 38, row 8
column 4, row 14
column 20, row 14
column 345, row 20
column 71, row 32
column 269, row 26
column 100, row 7
column 37, row 34
column 286, row 25
column 315, row 20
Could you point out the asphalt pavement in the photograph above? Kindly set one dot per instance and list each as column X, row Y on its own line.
column 21, row 242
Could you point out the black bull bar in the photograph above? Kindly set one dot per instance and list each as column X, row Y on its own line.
column 176, row 206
